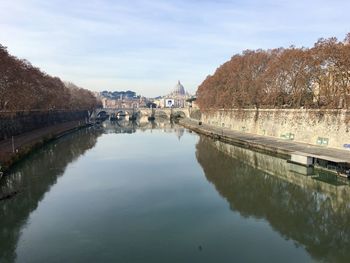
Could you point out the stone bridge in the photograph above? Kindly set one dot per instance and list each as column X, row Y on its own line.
column 143, row 112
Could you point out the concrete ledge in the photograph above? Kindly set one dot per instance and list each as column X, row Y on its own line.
column 267, row 144
column 27, row 142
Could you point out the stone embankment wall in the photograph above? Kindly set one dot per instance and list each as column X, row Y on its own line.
column 319, row 127
column 286, row 171
column 15, row 123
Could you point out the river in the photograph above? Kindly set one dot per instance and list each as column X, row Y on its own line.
column 160, row 193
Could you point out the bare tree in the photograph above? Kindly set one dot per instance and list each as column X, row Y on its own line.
column 282, row 78
column 25, row 87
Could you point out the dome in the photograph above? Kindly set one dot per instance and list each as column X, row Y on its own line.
column 179, row 89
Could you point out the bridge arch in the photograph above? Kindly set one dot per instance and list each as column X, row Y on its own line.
column 178, row 114
column 121, row 113
column 161, row 114
column 102, row 113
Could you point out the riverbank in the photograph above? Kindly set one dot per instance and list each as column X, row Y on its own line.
column 11, row 151
column 272, row 145
column 326, row 128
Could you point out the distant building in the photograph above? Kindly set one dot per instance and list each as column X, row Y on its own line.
column 176, row 98
column 122, row 99
column 124, row 103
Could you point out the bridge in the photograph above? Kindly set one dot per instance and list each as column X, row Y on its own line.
column 142, row 112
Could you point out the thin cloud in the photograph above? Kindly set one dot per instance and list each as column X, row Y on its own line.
column 147, row 45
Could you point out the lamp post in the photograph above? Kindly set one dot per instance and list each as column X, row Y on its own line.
column 13, row 144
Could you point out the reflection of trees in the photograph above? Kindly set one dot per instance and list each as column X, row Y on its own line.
column 33, row 177
column 299, row 212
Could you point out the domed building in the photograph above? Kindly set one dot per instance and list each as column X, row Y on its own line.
column 176, row 98
column 179, row 90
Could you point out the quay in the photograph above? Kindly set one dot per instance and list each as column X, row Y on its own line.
column 301, row 153
column 12, row 150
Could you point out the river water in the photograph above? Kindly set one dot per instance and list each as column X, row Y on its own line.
column 160, row 193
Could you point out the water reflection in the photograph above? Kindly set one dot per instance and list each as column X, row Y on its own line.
column 149, row 212
column 313, row 213
column 33, row 178
column 123, row 125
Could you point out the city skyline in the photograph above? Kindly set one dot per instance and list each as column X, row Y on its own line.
column 148, row 46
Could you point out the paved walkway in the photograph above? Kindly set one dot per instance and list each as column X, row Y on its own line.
column 32, row 137
column 271, row 143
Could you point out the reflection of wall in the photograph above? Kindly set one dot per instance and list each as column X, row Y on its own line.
column 280, row 168
column 326, row 127
column 33, row 177
column 316, row 219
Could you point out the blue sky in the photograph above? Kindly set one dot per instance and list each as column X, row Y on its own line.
column 147, row 45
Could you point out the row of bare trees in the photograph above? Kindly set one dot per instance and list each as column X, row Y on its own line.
column 25, row 87
column 317, row 77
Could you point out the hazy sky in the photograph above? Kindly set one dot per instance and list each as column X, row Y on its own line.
column 147, row 45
